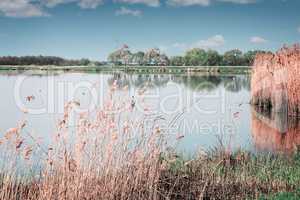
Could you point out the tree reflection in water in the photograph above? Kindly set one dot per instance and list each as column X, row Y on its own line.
column 232, row 83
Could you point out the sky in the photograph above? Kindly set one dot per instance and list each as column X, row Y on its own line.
column 93, row 28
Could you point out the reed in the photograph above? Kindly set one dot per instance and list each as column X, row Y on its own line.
column 108, row 155
column 275, row 81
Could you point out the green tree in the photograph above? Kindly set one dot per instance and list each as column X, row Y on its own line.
column 84, row 62
column 233, row 58
column 177, row 61
column 152, row 57
column 249, row 57
column 120, row 56
column 195, row 57
column 164, row 60
column 213, row 58
column 138, row 58
column 115, row 57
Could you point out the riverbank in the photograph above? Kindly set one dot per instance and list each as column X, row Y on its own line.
column 103, row 158
column 214, row 175
column 139, row 69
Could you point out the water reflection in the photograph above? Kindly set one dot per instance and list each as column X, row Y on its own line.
column 209, row 103
column 231, row 83
column 272, row 133
column 275, row 132
column 199, row 82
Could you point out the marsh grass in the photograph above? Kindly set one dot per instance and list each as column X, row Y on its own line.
column 275, row 81
column 107, row 155
column 161, row 175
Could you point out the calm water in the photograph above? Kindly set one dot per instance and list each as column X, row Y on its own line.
column 205, row 107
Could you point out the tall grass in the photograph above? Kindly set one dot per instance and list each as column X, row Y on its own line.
column 108, row 155
column 275, row 81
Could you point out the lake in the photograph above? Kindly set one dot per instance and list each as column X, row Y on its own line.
column 201, row 109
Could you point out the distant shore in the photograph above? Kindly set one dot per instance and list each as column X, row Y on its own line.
column 136, row 69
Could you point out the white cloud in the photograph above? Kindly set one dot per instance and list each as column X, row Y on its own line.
column 188, row 2
column 127, row 11
column 53, row 3
column 92, row 4
column 239, row 1
column 152, row 3
column 95, row 3
column 35, row 8
column 85, row 4
column 212, row 42
column 20, row 8
column 258, row 40
column 205, row 2
column 298, row 29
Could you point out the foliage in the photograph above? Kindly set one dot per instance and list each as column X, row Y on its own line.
column 233, row 58
column 177, row 61
column 193, row 57
column 154, row 57
column 120, row 57
column 213, row 58
column 250, row 56
column 138, row 58
column 282, row 196
column 44, row 60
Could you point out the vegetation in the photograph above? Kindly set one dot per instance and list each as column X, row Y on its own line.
column 45, row 60
column 110, row 156
column 123, row 56
column 193, row 57
column 153, row 57
column 266, row 78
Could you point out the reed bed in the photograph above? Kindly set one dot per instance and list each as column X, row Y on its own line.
column 108, row 155
column 275, row 80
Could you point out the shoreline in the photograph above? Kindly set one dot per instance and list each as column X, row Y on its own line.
column 136, row 69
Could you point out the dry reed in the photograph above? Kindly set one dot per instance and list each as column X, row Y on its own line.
column 275, row 80
column 107, row 155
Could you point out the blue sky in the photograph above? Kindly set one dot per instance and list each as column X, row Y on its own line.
column 94, row 28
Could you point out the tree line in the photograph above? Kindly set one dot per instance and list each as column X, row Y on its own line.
column 152, row 57
column 45, row 60
column 193, row 57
